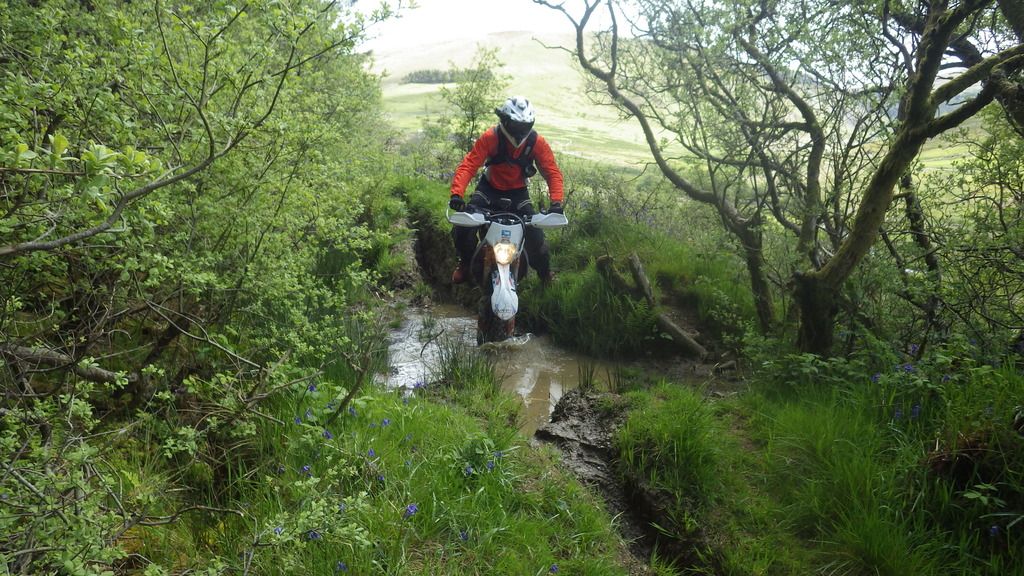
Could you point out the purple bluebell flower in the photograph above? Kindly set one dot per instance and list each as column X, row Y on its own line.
column 468, row 471
column 309, row 413
column 307, row 470
column 342, row 507
column 341, row 567
column 352, row 410
column 327, row 434
column 993, row 531
column 380, row 477
column 385, row 422
column 314, row 535
column 913, row 348
column 499, row 454
column 463, row 535
column 410, row 510
column 554, row 569
column 279, row 530
column 908, row 367
column 298, row 419
column 371, row 453
column 490, row 465
column 311, row 388
column 876, row 377
column 946, row 378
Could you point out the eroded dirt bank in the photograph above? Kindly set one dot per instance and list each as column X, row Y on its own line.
column 582, row 427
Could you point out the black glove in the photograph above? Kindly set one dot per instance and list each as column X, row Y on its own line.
column 556, row 208
column 456, row 203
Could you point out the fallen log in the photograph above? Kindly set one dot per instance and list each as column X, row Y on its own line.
column 606, row 268
column 643, row 290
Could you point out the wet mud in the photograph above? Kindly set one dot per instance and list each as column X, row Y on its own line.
column 530, row 366
column 582, row 427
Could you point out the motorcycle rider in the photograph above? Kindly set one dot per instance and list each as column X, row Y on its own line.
column 509, row 151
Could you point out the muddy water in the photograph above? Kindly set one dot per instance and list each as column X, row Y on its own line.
column 531, row 366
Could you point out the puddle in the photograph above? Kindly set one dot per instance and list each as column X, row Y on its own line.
column 531, row 366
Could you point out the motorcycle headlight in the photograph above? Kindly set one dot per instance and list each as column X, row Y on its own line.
column 504, row 252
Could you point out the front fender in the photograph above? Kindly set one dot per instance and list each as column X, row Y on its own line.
column 504, row 299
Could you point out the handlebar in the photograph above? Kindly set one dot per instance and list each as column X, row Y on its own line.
column 480, row 216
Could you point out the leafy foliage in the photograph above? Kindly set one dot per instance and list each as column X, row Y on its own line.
column 184, row 236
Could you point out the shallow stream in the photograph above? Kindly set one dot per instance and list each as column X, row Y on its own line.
column 531, row 366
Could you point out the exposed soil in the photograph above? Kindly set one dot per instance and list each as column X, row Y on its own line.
column 582, row 428
column 583, row 425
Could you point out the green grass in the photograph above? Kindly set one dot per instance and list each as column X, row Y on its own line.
column 686, row 267
column 433, row 482
column 575, row 126
column 679, row 443
column 906, row 472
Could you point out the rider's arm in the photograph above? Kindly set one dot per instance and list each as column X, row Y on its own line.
column 472, row 162
column 548, row 168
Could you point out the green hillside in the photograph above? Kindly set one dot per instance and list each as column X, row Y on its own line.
column 565, row 115
column 549, row 77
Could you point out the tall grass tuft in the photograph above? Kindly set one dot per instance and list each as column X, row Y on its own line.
column 670, row 443
column 899, row 465
column 582, row 312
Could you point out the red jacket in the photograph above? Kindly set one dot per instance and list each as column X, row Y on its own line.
column 507, row 176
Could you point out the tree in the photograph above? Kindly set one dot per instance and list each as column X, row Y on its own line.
column 187, row 197
column 473, row 97
column 795, row 116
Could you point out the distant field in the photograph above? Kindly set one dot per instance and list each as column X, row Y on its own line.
column 548, row 77
column 565, row 116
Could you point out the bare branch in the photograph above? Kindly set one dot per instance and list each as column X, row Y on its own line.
column 37, row 355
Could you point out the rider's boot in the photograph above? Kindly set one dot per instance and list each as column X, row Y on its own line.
column 461, row 273
column 546, row 278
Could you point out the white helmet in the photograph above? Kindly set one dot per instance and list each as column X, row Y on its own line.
column 516, row 109
column 516, row 116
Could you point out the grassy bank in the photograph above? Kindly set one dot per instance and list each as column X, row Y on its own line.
column 299, row 468
column 435, row 480
column 899, row 466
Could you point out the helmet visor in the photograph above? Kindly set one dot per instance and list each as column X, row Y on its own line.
column 518, row 130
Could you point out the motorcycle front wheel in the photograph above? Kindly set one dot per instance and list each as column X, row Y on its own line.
column 490, row 328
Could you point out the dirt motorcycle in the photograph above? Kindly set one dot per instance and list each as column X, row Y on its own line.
column 499, row 263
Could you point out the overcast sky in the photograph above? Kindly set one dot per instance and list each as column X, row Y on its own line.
column 440, row 20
